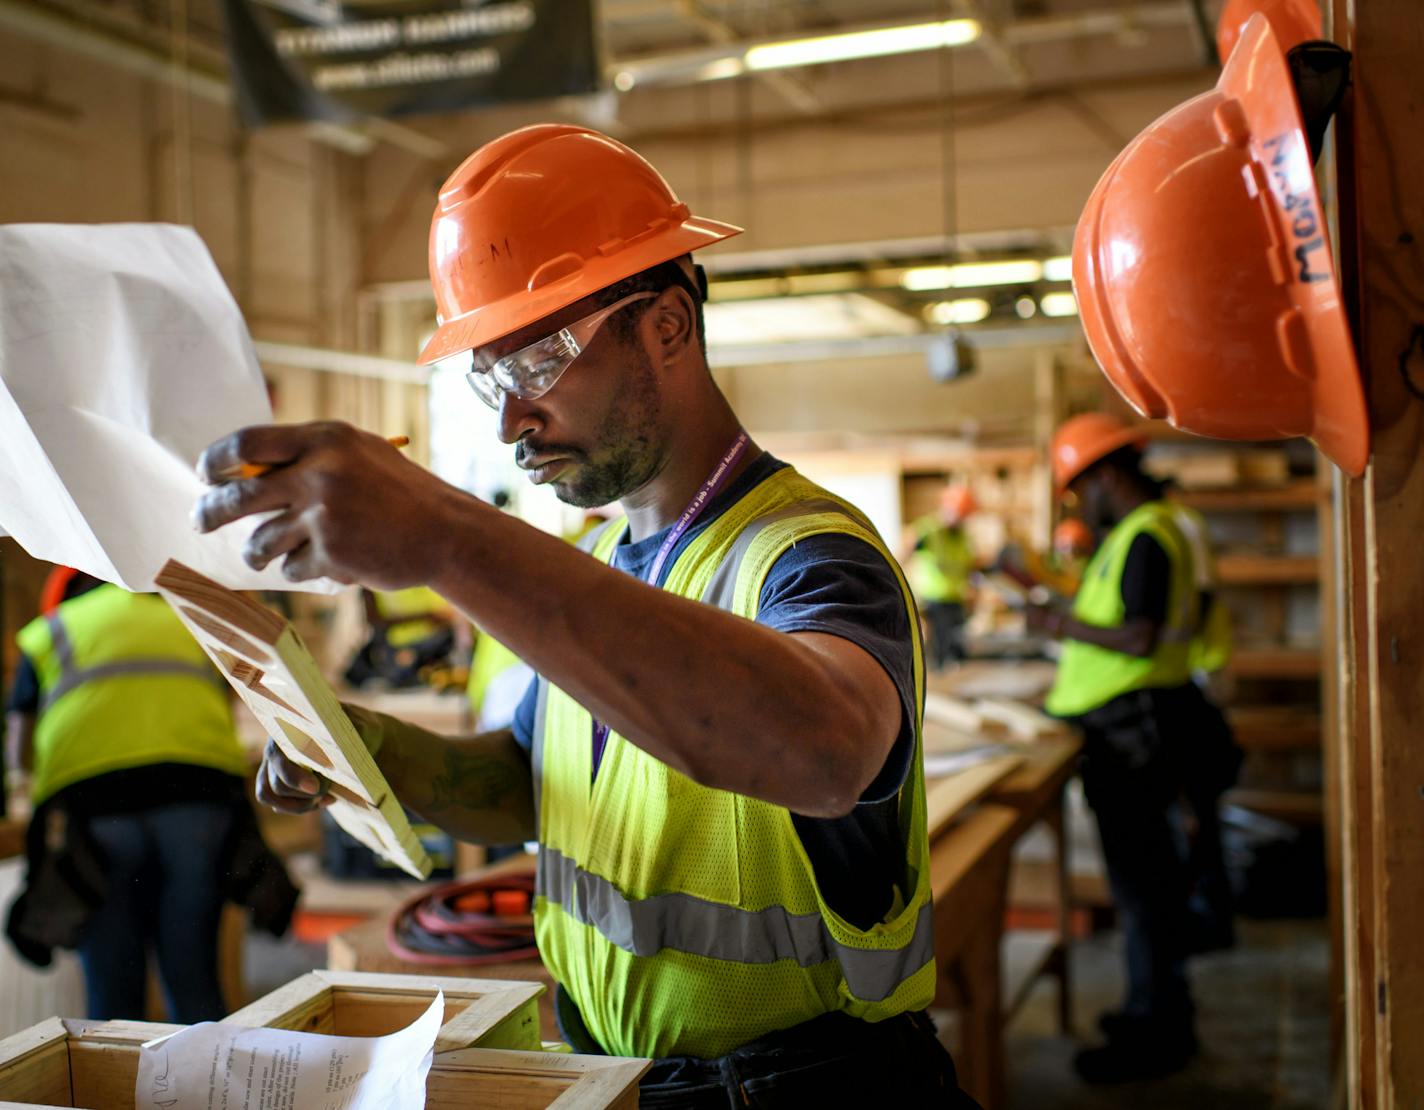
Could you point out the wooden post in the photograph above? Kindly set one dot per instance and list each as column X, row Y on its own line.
column 1379, row 164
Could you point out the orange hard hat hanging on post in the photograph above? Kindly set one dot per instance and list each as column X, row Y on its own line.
column 1085, row 439
column 1203, row 271
column 543, row 217
column 1294, row 22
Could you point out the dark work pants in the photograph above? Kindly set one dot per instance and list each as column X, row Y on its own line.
column 946, row 640
column 1132, row 777
column 165, row 892
column 831, row 1061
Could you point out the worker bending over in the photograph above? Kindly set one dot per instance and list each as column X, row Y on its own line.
column 720, row 758
column 1125, row 676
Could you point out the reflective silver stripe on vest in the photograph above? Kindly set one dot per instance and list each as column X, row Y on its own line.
column 721, row 589
column 71, row 677
column 698, row 927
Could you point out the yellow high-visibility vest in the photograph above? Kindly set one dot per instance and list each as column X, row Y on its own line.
column 1089, row 676
column 685, row 920
column 123, row 684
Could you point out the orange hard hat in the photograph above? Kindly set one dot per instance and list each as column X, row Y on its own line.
column 1294, row 21
column 540, row 218
column 1073, row 537
column 1082, row 440
column 957, row 502
column 1203, row 273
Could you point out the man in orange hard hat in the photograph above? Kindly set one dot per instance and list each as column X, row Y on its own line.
column 1125, row 677
column 721, row 755
column 939, row 564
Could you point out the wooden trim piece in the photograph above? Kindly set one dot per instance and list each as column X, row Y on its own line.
column 265, row 661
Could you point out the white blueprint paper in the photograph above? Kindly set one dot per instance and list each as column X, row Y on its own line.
column 122, row 356
column 213, row 1066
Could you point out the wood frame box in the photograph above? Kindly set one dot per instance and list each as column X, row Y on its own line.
column 94, row 1064
column 479, row 1013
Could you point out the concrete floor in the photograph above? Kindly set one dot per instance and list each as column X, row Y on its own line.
column 1263, row 1022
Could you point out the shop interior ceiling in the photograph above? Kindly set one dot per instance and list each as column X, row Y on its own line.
column 658, row 54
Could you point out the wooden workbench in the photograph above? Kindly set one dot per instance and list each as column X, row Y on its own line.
column 969, row 872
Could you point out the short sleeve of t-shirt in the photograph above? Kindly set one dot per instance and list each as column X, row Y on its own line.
column 1146, row 580
column 835, row 584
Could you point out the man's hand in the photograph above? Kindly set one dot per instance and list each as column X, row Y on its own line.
column 1045, row 619
column 289, row 787
column 349, row 505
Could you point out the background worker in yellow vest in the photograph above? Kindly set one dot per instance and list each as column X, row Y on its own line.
column 410, row 629
column 721, row 757
column 939, row 563
column 1125, row 677
column 140, row 813
column 1218, row 758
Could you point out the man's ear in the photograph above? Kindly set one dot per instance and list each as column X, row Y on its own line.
column 675, row 323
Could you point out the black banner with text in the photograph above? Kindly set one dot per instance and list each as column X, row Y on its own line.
column 328, row 60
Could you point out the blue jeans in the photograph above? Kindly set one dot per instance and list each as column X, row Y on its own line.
column 164, row 867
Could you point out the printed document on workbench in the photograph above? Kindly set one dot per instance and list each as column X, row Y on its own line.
column 213, row 1066
column 122, row 356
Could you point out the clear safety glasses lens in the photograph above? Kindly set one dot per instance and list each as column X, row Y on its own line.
column 532, row 371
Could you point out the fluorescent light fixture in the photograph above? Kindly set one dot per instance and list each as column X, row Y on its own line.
column 862, row 44
column 968, row 310
column 1058, row 269
column 971, row 275
column 720, row 70
column 1059, row 304
column 799, row 319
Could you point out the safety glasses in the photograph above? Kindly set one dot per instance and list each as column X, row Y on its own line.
column 532, row 371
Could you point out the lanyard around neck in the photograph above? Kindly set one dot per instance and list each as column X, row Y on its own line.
column 700, row 500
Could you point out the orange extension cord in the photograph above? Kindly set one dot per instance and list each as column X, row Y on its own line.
column 472, row 922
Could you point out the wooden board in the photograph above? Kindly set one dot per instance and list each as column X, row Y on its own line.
column 484, row 1013
column 1022, row 720
column 266, row 662
column 946, row 799
column 1379, row 162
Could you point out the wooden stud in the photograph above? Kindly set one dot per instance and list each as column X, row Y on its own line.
column 1378, row 164
column 265, row 661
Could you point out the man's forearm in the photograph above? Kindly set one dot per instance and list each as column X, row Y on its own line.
column 476, row 788
column 1137, row 637
column 730, row 703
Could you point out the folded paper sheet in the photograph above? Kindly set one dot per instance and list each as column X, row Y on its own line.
column 214, row 1066
column 122, row 355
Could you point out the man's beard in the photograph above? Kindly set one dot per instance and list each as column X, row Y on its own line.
column 627, row 455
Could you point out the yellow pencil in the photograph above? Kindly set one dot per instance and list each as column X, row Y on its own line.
column 256, row 470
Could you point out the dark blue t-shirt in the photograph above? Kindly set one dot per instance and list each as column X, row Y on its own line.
column 840, row 585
